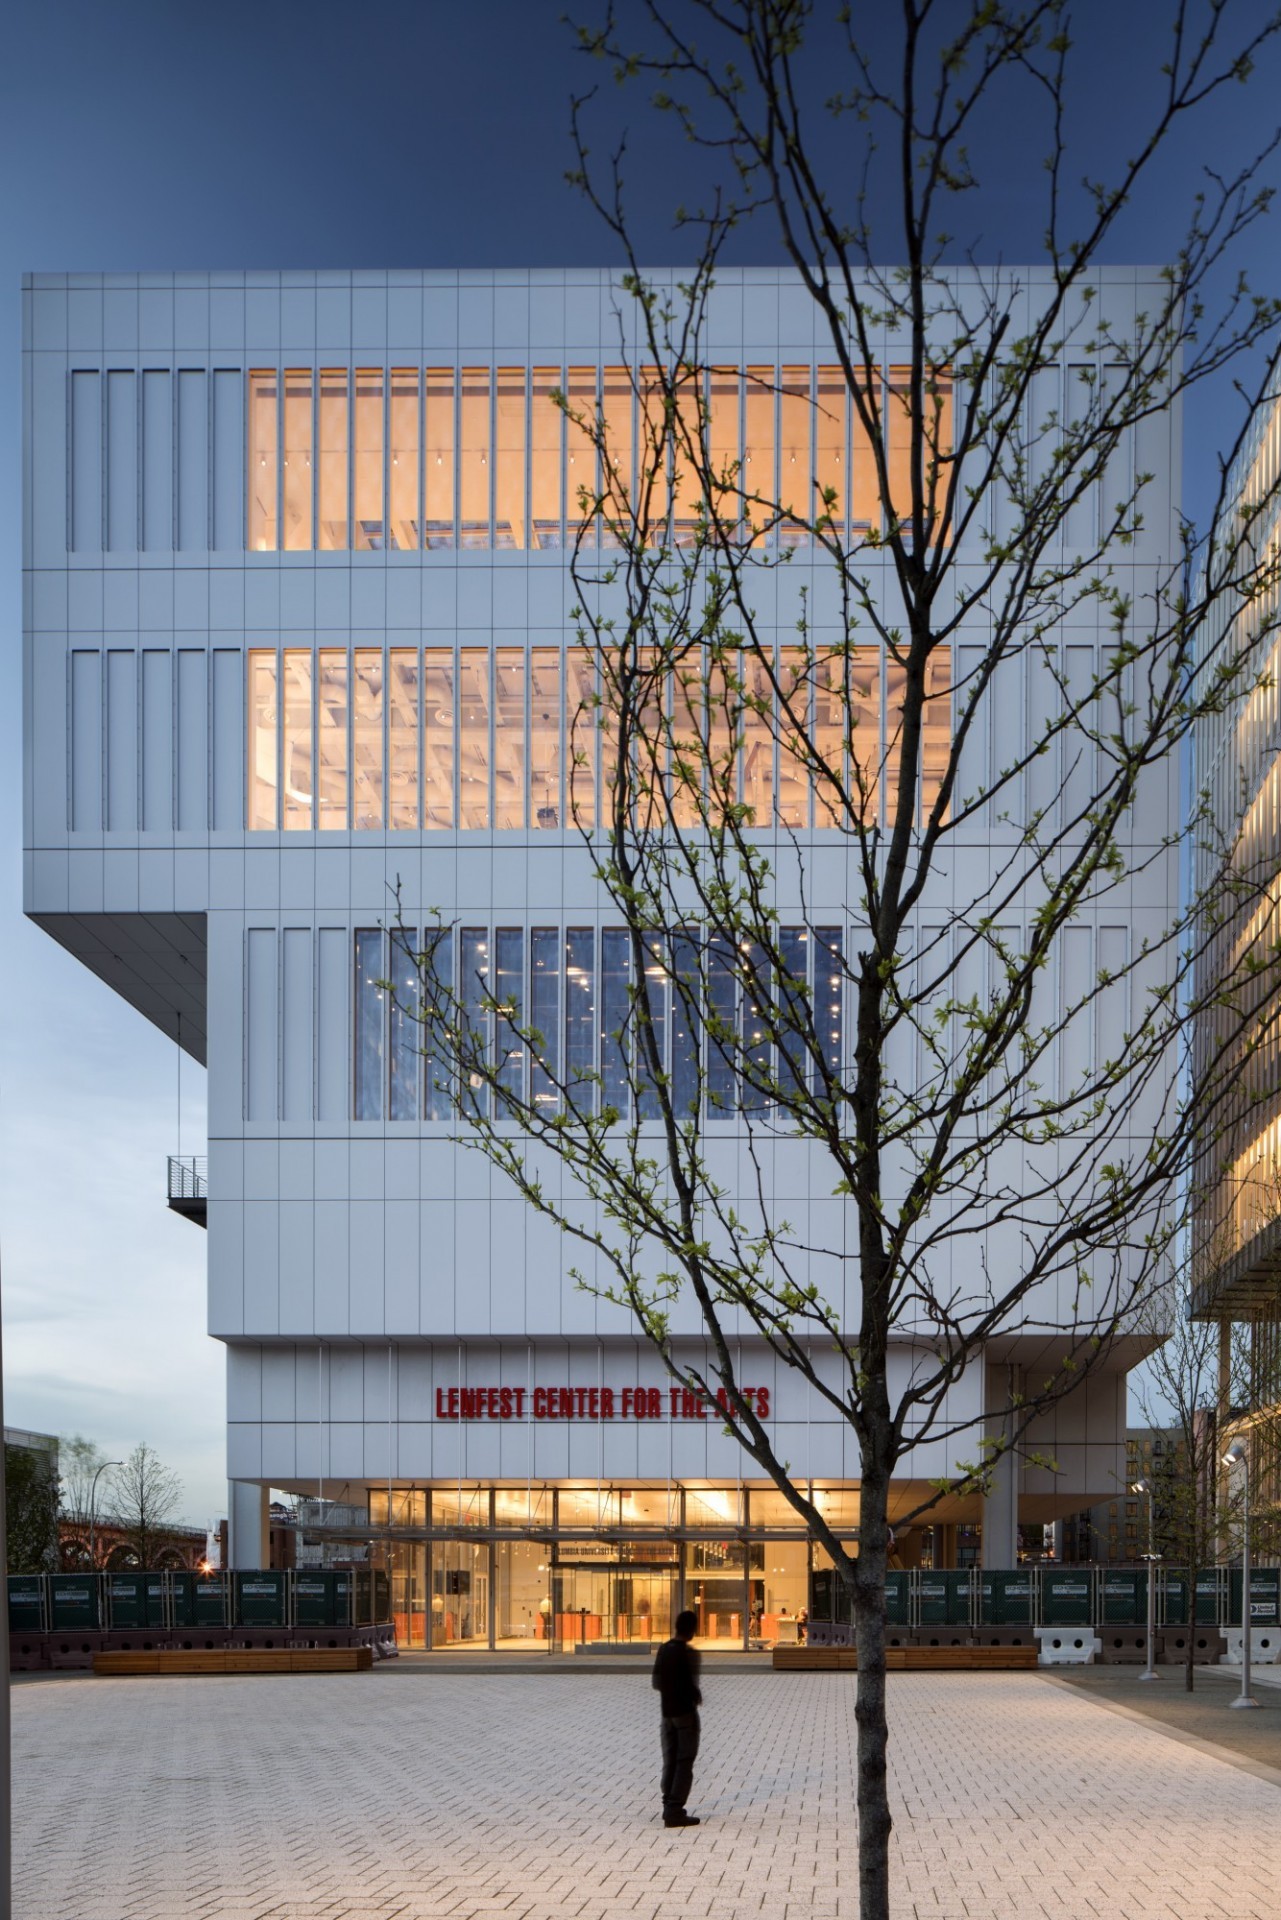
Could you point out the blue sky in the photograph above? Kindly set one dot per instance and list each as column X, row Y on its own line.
column 282, row 134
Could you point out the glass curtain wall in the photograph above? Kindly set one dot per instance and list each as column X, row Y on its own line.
column 518, row 1568
column 509, row 458
column 497, row 729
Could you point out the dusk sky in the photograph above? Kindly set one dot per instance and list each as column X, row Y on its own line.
column 284, row 135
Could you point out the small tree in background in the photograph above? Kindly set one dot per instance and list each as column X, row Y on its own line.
column 1191, row 1386
column 31, row 1511
column 143, row 1494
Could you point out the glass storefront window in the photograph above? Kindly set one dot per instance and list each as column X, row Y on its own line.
column 509, row 738
column 460, row 1507
column 264, row 473
column 766, row 1507
column 780, row 1591
column 402, row 738
column 588, row 1507
column 581, row 735
column 438, row 737
column 473, row 738
column 509, row 990
column 831, row 474
column 822, row 1558
column 687, row 451
column 509, row 458
column 459, row 1593
column 403, row 478
column 370, row 969
column 263, row 787
column 895, row 691
column 483, row 457
column 650, row 1507
column 367, row 740
column 473, row 457
column 936, row 725
column 297, row 473
column 552, row 982
column 544, row 1013
column 436, row 1077
column 796, row 465
column 406, row 1030
column 580, row 451
column 407, row 1507
column 757, row 726
column 864, row 482
column 615, row 1020
column 331, row 740
column 760, row 493
column 839, row 1506
column 332, row 442
column 716, row 1589
column 653, row 454
column 545, row 803
column 523, row 1588
column 523, row 1506
column 713, row 1507
column 547, row 426
column 367, row 460
column 299, row 781
column 792, row 701
column 406, row 1562
column 439, row 440
column 618, row 480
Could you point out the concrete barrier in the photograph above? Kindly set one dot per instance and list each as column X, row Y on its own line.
column 1066, row 1646
column 1265, row 1646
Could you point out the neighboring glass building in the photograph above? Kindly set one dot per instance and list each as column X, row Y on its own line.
column 297, row 632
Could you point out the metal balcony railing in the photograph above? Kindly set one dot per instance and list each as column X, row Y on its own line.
column 189, row 1186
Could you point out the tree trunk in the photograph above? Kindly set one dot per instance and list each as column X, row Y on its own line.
column 874, row 1822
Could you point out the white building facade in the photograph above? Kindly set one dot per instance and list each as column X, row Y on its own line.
column 298, row 634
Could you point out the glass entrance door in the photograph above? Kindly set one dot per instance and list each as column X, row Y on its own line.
column 614, row 1604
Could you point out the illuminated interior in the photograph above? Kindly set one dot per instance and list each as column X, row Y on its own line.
column 539, row 1568
column 512, row 740
column 512, row 458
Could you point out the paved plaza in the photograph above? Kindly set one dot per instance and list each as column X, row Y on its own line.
column 428, row 1794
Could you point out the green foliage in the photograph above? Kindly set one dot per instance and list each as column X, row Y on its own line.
column 31, row 1511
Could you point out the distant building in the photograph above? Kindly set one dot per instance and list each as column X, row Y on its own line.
column 1114, row 1532
column 45, row 1445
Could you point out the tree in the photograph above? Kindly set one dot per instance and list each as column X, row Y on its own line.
column 31, row 1511
column 80, row 1462
column 1190, row 1384
column 998, row 1170
column 143, row 1494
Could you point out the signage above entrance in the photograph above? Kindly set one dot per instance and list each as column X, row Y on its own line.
column 590, row 1403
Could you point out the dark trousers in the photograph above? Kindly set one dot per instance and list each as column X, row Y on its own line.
column 680, row 1750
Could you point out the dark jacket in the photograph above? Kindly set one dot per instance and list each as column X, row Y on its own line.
column 676, row 1677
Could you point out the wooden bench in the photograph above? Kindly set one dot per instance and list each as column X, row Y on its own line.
column 908, row 1659
column 236, row 1660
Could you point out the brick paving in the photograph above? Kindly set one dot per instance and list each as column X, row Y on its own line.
column 434, row 1795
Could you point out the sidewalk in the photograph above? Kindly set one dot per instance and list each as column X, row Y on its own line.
column 469, row 1796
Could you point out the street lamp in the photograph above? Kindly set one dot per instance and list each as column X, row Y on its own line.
column 1238, row 1455
column 93, row 1496
column 1151, row 1556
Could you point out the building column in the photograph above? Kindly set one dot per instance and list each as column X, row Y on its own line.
column 1000, row 1545
column 247, row 1515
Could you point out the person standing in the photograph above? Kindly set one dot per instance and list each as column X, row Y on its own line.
column 676, row 1675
